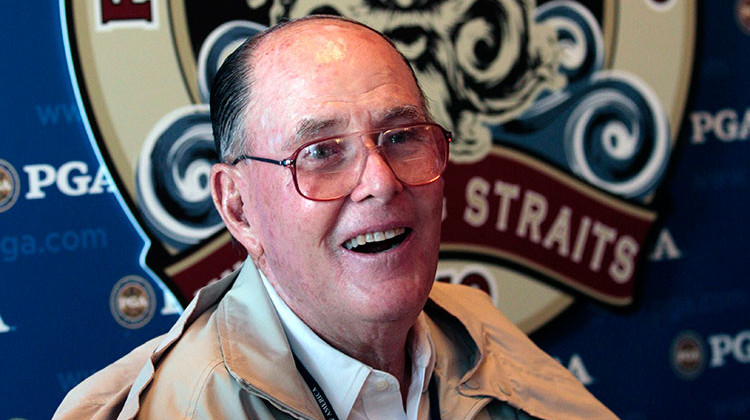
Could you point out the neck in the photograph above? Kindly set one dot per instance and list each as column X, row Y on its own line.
column 378, row 342
column 383, row 348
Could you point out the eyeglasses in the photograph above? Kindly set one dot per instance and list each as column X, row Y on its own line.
column 330, row 168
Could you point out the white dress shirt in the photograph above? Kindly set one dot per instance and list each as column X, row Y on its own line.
column 357, row 391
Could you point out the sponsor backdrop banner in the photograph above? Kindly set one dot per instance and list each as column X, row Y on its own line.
column 597, row 188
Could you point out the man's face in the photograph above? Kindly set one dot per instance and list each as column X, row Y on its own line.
column 332, row 78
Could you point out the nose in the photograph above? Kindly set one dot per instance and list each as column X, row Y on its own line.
column 377, row 180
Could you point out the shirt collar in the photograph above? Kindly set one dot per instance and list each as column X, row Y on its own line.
column 422, row 352
column 340, row 376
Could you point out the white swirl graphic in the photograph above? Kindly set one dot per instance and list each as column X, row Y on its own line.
column 172, row 178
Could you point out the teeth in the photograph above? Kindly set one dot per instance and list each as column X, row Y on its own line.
column 373, row 237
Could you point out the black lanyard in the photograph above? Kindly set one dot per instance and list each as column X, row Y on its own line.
column 317, row 391
column 327, row 409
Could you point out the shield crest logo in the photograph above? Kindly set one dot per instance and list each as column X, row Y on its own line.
column 564, row 116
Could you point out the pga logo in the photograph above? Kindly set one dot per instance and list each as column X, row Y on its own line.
column 727, row 125
column 724, row 345
column 71, row 178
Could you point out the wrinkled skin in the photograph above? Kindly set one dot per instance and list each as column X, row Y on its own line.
column 363, row 304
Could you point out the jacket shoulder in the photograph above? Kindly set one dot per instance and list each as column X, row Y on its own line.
column 460, row 295
column 505, row 358
column 107, row 393
column 102, row 394
column 181, row 377
column 472, row 307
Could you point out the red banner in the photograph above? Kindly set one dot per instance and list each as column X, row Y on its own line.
column 518, row 209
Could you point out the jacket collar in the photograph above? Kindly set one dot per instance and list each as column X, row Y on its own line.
column 257, row 354
column 473, row 365
column 494, row 359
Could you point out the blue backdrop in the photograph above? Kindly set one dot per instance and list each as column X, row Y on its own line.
column 85, row 275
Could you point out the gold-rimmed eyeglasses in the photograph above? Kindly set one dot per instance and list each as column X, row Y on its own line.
column 330, row 168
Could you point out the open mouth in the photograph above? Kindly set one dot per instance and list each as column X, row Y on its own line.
column 373, row 242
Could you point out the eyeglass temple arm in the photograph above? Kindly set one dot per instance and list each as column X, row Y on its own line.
column 283, row 162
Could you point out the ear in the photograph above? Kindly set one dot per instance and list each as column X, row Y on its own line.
column 229, row 192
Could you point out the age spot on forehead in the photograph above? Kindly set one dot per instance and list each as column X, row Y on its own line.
column 333, row 51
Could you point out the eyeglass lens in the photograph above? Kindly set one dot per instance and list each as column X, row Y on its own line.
column 331, row 168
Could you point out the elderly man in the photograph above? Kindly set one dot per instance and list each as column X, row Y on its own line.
column 332, row 182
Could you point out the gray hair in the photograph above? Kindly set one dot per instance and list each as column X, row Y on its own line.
column 231, row 90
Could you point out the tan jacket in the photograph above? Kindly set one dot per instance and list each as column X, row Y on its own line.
column 227, row 358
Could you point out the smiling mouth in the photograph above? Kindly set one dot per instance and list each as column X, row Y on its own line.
column 373, row 242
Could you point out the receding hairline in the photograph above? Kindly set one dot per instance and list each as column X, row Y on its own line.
column 250, row 54
column 273, row 32
column 264, row 39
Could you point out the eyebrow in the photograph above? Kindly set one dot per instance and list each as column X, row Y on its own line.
column 409, row 113
column 310, row 128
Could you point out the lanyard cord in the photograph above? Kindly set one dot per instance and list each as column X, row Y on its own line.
column 434, row 402
column 317, row 391
column 327, row 409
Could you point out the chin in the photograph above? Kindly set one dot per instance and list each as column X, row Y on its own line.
column 398, row 302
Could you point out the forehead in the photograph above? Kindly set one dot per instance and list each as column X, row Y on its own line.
column 329, row 71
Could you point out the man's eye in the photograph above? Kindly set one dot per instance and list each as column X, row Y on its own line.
column 398, row 137
column 406, row 136
column 322, row 151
